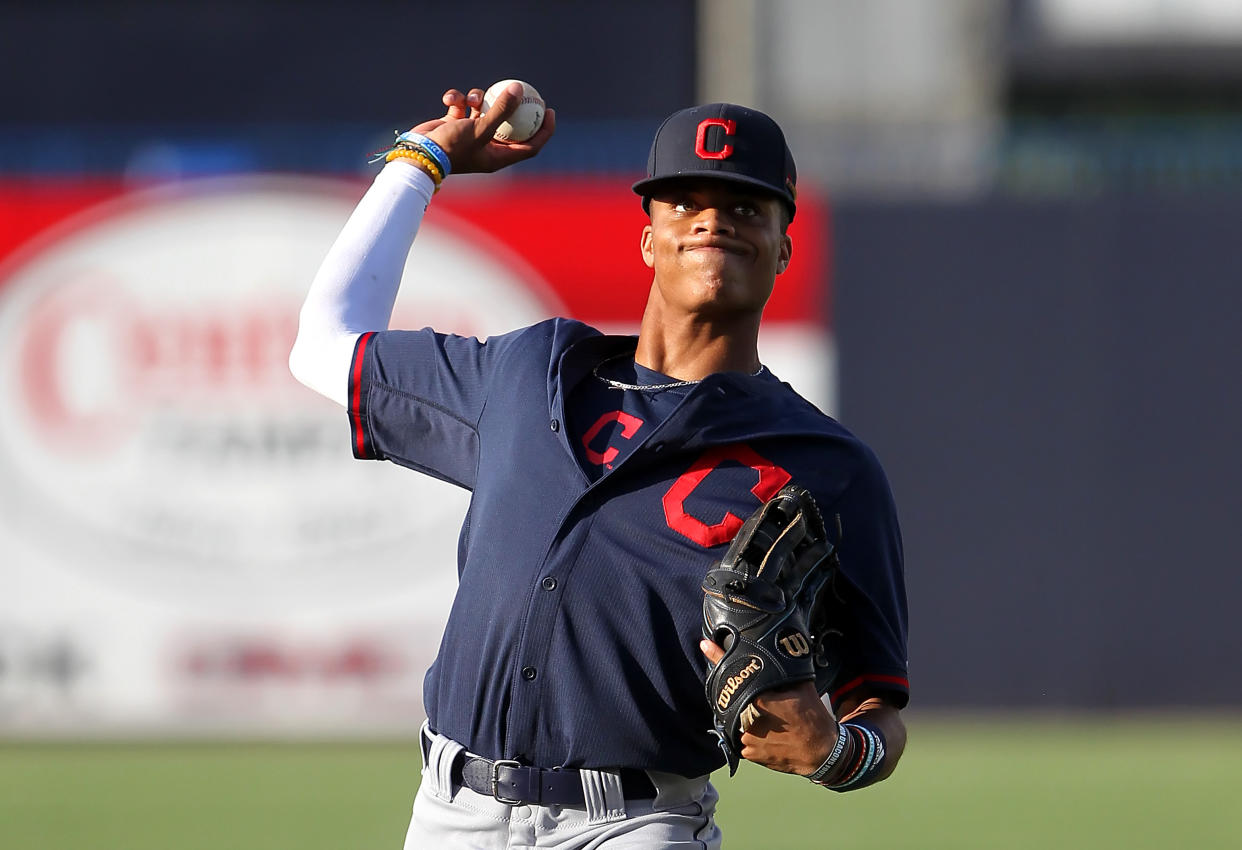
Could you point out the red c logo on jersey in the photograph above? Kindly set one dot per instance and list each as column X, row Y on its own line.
column 700, row 138
column 629, row 426
column 771, row 479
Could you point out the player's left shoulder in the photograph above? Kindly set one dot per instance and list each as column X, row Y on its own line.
column 824, row 449
column 799, row 415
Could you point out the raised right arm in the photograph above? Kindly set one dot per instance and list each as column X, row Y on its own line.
column 356, row 286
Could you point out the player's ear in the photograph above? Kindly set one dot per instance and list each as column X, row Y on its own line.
column 782, row 259
column 646, row 246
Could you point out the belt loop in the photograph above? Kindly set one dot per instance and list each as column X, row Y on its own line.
column 438, row 771
column 424, row 741
column 605, row 799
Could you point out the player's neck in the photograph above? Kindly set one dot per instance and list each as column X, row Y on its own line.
column 690, row 348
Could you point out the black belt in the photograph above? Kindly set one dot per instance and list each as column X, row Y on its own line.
column 514, row 783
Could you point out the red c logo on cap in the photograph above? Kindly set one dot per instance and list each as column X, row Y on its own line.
column 700, row 138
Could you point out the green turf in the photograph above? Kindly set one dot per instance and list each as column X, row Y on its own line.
column 1133, row 784
column 1009, row 785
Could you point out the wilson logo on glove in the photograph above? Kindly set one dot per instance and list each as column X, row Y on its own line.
column 734, row 682
column 795, row 644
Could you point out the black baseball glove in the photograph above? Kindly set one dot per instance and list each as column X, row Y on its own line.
column 758, row 604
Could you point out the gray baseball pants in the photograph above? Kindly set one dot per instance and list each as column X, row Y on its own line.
column 453, row 817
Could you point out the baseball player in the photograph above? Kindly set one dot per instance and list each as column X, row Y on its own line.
column 566, row 705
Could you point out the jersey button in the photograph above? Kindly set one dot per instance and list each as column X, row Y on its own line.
column 549, row 583
column 554, row 425
column 529, row 673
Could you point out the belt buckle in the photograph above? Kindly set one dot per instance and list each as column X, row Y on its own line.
column 496, row 765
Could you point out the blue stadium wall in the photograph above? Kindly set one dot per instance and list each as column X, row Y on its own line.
column 1053, row 389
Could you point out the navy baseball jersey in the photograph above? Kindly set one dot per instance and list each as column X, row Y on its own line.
column 595, row 513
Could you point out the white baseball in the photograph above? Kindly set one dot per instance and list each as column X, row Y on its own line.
column 528, row 118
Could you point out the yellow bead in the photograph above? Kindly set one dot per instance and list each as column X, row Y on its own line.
column 432, row 168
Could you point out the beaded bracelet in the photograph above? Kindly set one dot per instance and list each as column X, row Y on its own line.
column 420, row 157
column 429, row 165
column 428, row 147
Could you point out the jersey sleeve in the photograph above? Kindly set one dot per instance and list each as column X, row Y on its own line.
column 868, row 599
column 415, row 398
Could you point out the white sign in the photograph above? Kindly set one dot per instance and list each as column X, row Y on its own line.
column 183, row 524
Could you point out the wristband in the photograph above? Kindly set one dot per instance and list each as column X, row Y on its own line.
column 437, row 153
column 838, row 750
column 869, row 761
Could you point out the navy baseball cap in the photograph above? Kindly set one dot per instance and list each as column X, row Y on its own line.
column 722, row 141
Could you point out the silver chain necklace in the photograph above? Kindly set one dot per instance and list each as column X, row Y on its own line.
column 622, row 385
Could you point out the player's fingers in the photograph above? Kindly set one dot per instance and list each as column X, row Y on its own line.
column 474, row 100
column 456, row 103
column 713, row 652
column 502, row 107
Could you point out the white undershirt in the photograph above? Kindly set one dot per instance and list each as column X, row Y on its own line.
column 356, row 286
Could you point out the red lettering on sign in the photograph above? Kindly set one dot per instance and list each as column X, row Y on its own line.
column 629, row 427
column 70, row 412
column 92, row 358
column 700, row 138
column 771, row 479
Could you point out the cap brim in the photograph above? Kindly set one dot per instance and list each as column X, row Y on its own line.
column 650, row 186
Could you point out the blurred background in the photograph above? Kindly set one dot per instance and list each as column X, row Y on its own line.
column 1016, row 275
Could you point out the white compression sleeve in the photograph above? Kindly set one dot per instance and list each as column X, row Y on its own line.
column 356, row 286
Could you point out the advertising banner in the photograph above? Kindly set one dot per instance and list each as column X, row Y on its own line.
column 186, row 544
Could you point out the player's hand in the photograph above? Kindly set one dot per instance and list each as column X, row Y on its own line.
column 468, row 136
column 793, row 731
